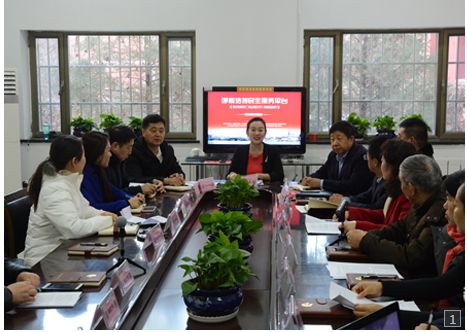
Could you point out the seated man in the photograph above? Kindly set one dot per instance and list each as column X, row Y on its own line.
column 415, row 131
column 408, row 243
column 121, row 140
column 346, row 169
column 20, row 284
column 152, row 158
column 376, row 195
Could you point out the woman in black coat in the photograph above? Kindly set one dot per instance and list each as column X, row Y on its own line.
column 257, row 157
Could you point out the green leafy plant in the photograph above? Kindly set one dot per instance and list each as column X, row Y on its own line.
column 361, row 124
column 235, row 224
column 234, row 193
column 135, row 122
column 384, row 123
column 414, row 116
column 220, row 264
column 109, row 121
column 83, row 124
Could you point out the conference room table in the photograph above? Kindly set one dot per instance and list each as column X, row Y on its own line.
column 156, row 299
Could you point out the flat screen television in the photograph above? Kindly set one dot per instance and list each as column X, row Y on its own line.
column 227, row 111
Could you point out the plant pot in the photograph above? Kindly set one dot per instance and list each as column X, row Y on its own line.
column 78, row 132
column 246, row 208
column 217, row 303
column 388, row 134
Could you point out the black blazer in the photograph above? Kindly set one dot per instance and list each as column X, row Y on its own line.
column 143, row 166
column 355, row 176
column 116, row 173
column 272, row 163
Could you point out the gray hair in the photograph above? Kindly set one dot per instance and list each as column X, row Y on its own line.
column 421, row 171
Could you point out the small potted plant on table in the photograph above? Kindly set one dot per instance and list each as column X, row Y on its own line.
column 82, row 125
column 385, row 126
column 109, row 121
column 235, row 224
column 360, row 124
column 213, row 293
column 136, row 124
column 235, row 195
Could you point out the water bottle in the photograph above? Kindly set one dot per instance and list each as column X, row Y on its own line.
column 46, row 130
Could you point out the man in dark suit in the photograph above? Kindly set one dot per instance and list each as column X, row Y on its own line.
column 346, row 169
column 152, row 158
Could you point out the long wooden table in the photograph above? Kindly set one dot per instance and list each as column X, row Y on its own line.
column 156, row 301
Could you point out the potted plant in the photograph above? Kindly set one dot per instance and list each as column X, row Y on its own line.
column 385, row 126
column 82, row 125
column 235, row 224
column 109, row 121
column 414, row 116
column 360, row 124
column 136, row 124
column 235, row 195
column 216, row 275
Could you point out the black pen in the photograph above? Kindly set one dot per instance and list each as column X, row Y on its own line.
column 93, row 244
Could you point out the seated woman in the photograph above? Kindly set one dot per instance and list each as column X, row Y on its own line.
column 59, row 210
column 451, row 283
column 257, row 157
column 96, row 187
column 397, row 206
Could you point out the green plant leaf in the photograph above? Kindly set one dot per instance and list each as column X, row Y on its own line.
column 188, row 287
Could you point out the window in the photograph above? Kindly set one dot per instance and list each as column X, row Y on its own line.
column 386, row 73
column 126, row 75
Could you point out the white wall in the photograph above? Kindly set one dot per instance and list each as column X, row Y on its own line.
column 243, row 42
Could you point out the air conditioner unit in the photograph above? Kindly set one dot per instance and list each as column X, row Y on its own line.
column 9, row 82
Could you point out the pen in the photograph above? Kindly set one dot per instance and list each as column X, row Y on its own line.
column 93, row 244
column 430, row 320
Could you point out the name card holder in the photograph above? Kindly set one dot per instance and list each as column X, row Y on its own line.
column 173, row 223
column 107, row 311
column 154, row 244
column 122, row 282
column 206, row 185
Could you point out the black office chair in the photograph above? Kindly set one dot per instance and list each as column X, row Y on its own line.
column 17, row 206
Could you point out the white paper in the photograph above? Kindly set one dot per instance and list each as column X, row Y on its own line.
column 321, row 226
column 135, row 184
column 339, row 270
column 349, row 299
column 53, row 300
column 160, row 219
column 302, row 208
column 178, row 188
column 131, row 219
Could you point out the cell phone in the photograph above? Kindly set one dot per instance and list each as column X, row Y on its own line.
column 61, row 287
column 148, row 209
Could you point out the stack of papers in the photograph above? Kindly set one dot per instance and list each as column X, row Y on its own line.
column 321, row 226
column 53, row 300
column 349, row 299
column 339, row 270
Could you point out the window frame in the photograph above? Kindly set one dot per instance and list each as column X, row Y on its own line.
column 439, row 134
column 65, row 107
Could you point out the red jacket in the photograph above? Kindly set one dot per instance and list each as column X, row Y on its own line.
column 368, row 219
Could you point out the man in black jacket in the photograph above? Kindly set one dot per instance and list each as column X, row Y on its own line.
column 121, row 140
column 20, row 284
column 152, row 158
column 346, row 169
column 415, row 131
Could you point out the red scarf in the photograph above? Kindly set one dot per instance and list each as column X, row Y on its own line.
column 451, row 253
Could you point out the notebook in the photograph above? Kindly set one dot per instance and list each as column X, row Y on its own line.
column 53, row 300
column 93, row 250
column 130, row 229
column 386, row 318
column 88, row 279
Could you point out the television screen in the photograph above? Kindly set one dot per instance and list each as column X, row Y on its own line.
column 227, row 111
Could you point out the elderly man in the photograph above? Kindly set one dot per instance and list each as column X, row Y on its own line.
column 408, row 243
